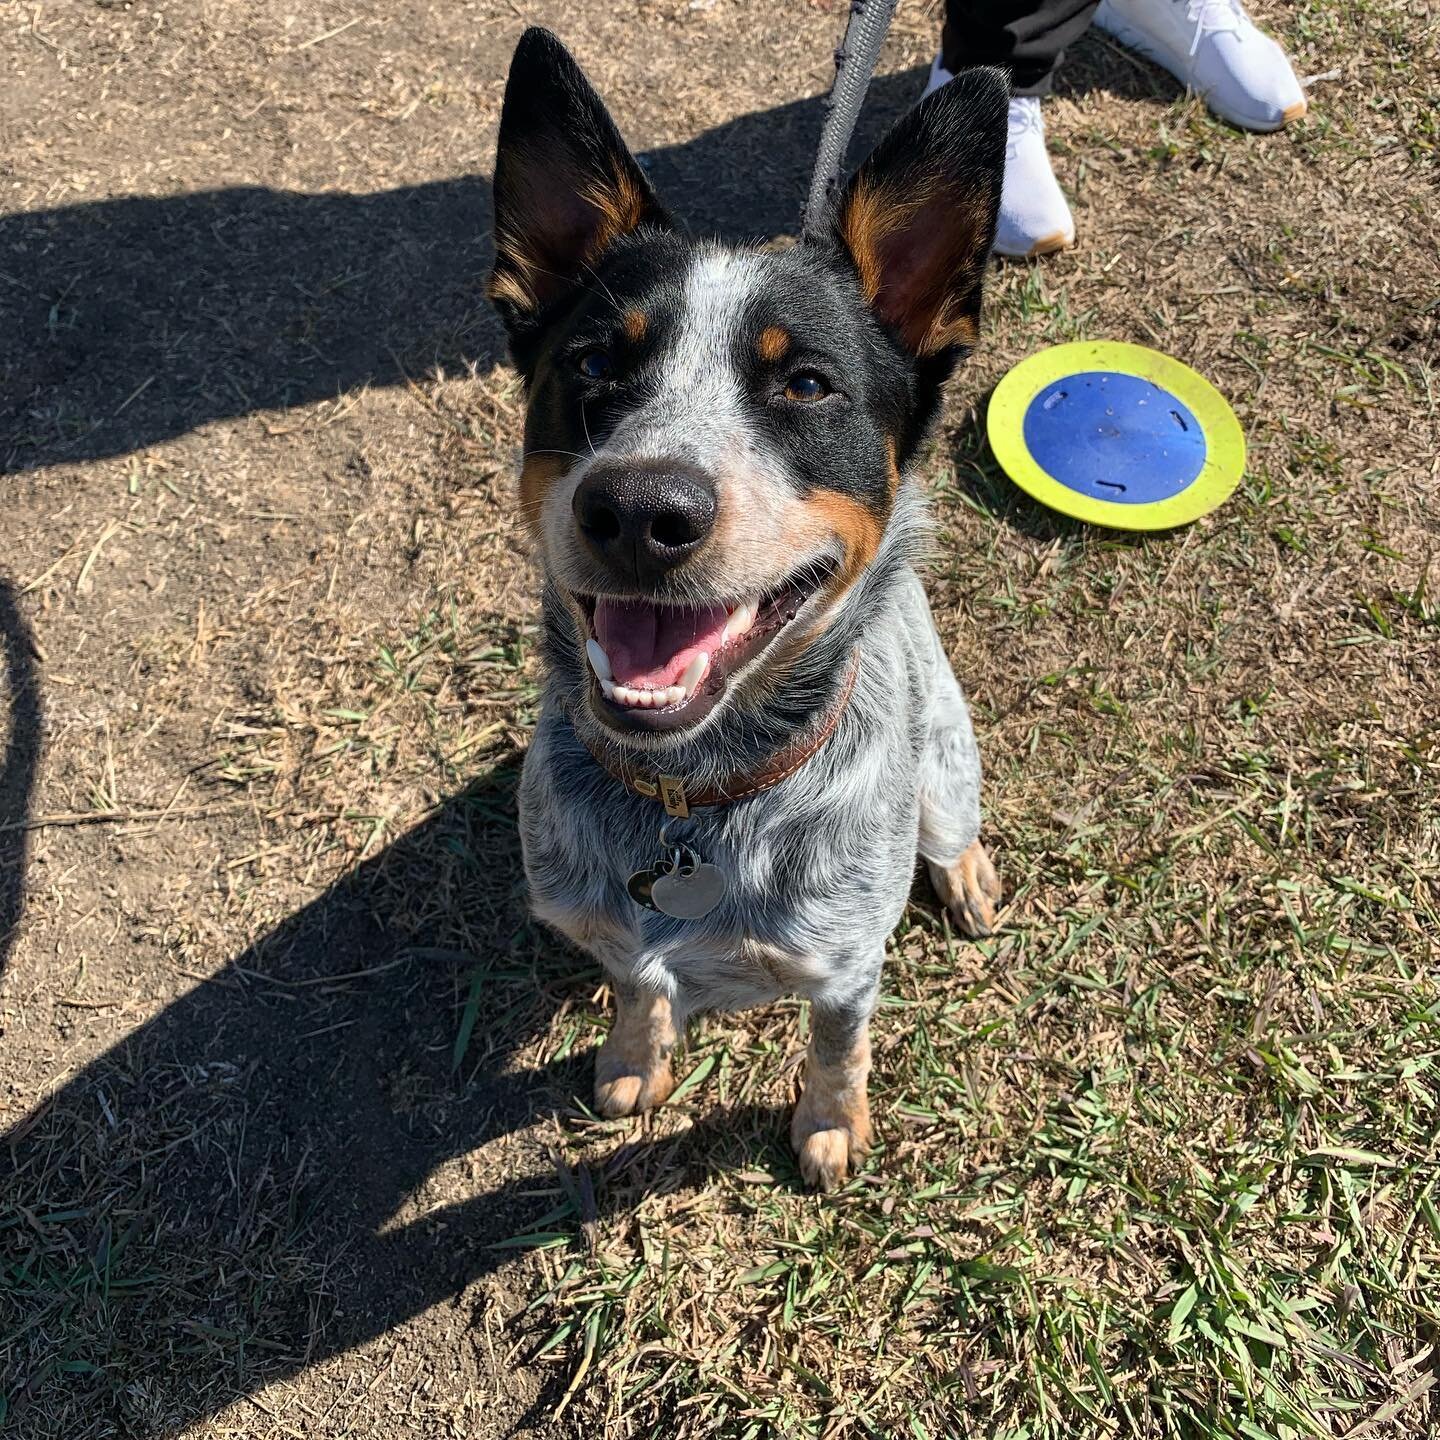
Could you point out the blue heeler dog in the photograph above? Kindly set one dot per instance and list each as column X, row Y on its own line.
column 750, row 725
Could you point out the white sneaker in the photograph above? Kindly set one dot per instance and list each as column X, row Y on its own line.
column 1214, row 48
column 1034, row 218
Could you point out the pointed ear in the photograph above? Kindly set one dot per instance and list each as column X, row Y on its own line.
column 919, row 217
column 565, row 185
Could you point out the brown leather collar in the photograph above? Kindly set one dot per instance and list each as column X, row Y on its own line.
column 679, row 799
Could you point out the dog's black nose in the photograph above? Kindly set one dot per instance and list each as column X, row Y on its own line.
column 644, row 519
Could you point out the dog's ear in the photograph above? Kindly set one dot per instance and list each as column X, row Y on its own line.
column 918, row 219
column 565, row 185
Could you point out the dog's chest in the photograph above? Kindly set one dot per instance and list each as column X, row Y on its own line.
column 765, row 938
column 816, row 872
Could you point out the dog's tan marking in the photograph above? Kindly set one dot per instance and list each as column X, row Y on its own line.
column 894, row 475
column 858, row 529
column 789, row 971
column 963, row 330
column 621, row 206
column 632, row 1070
column 634, row 325
column 523, row 275
column 970, row 890
column 537, row 475
column 830, row 1130
column 868, row 219
column 926, row 298
column 512, row 286
column 773, row 344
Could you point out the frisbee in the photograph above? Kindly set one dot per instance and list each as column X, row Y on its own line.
column 1116, row 435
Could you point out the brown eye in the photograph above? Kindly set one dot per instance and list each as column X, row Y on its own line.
column 805, row 387
column 594, row 364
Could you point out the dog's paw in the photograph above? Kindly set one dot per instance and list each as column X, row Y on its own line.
column 621, row 1090
column 828, row 1151
column 970, row 890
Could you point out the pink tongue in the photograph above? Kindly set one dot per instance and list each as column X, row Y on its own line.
column 651, row 646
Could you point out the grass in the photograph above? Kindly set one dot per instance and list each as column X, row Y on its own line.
column 301, row 1139
column 1160, row 1162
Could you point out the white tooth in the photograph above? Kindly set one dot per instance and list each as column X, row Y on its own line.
column 691, row 678
column 622, row 695
column 675, row 694
column 608, row 689
column 599, row 660
column 742, row 617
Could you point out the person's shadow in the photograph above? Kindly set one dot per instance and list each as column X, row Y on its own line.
column 130, row 321
column 21, row 724
column 127, row 322
column 256, row 1179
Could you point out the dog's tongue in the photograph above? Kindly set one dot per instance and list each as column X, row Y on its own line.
column 650, row 646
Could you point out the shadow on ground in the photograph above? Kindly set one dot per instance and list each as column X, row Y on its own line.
column 131, row 321
column 20, row 725
column 248, row 1183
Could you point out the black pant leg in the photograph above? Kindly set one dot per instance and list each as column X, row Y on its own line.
column 1028, row 37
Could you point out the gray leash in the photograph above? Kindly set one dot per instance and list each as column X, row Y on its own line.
column 854, row 65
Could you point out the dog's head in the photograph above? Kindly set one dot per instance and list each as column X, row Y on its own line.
column 715, row 435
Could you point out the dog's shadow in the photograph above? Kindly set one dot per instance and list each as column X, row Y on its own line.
column 271, row 1159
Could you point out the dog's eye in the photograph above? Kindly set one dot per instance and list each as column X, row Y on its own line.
column 595, row 364
column 806, row 386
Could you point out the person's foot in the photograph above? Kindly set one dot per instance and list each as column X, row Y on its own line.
column 1034, row 218
column 1214, row 48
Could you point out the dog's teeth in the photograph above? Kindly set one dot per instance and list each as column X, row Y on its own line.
column 742, row 617
column 645, row 699
column 599, row 660
column 691, row 678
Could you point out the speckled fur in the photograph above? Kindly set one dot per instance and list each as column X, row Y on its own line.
column 819, row 866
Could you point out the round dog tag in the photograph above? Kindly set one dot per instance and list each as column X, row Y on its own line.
column 688, row 892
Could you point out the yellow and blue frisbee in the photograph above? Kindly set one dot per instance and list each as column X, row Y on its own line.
column 1116, row 435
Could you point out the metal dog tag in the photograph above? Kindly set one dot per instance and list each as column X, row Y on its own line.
column 642, row 882
column 679, row 884
column 690, row 890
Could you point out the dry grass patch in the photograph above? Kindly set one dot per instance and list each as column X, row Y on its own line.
column 296, row 1093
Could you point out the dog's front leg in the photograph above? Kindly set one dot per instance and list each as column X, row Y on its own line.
column 831, row 1126
column 632, row 1070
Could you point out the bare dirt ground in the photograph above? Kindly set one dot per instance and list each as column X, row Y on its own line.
column 294, row 1092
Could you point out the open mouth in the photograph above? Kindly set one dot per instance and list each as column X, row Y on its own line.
column 664, row 667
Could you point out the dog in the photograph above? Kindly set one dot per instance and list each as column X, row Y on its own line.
column 750, row 726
